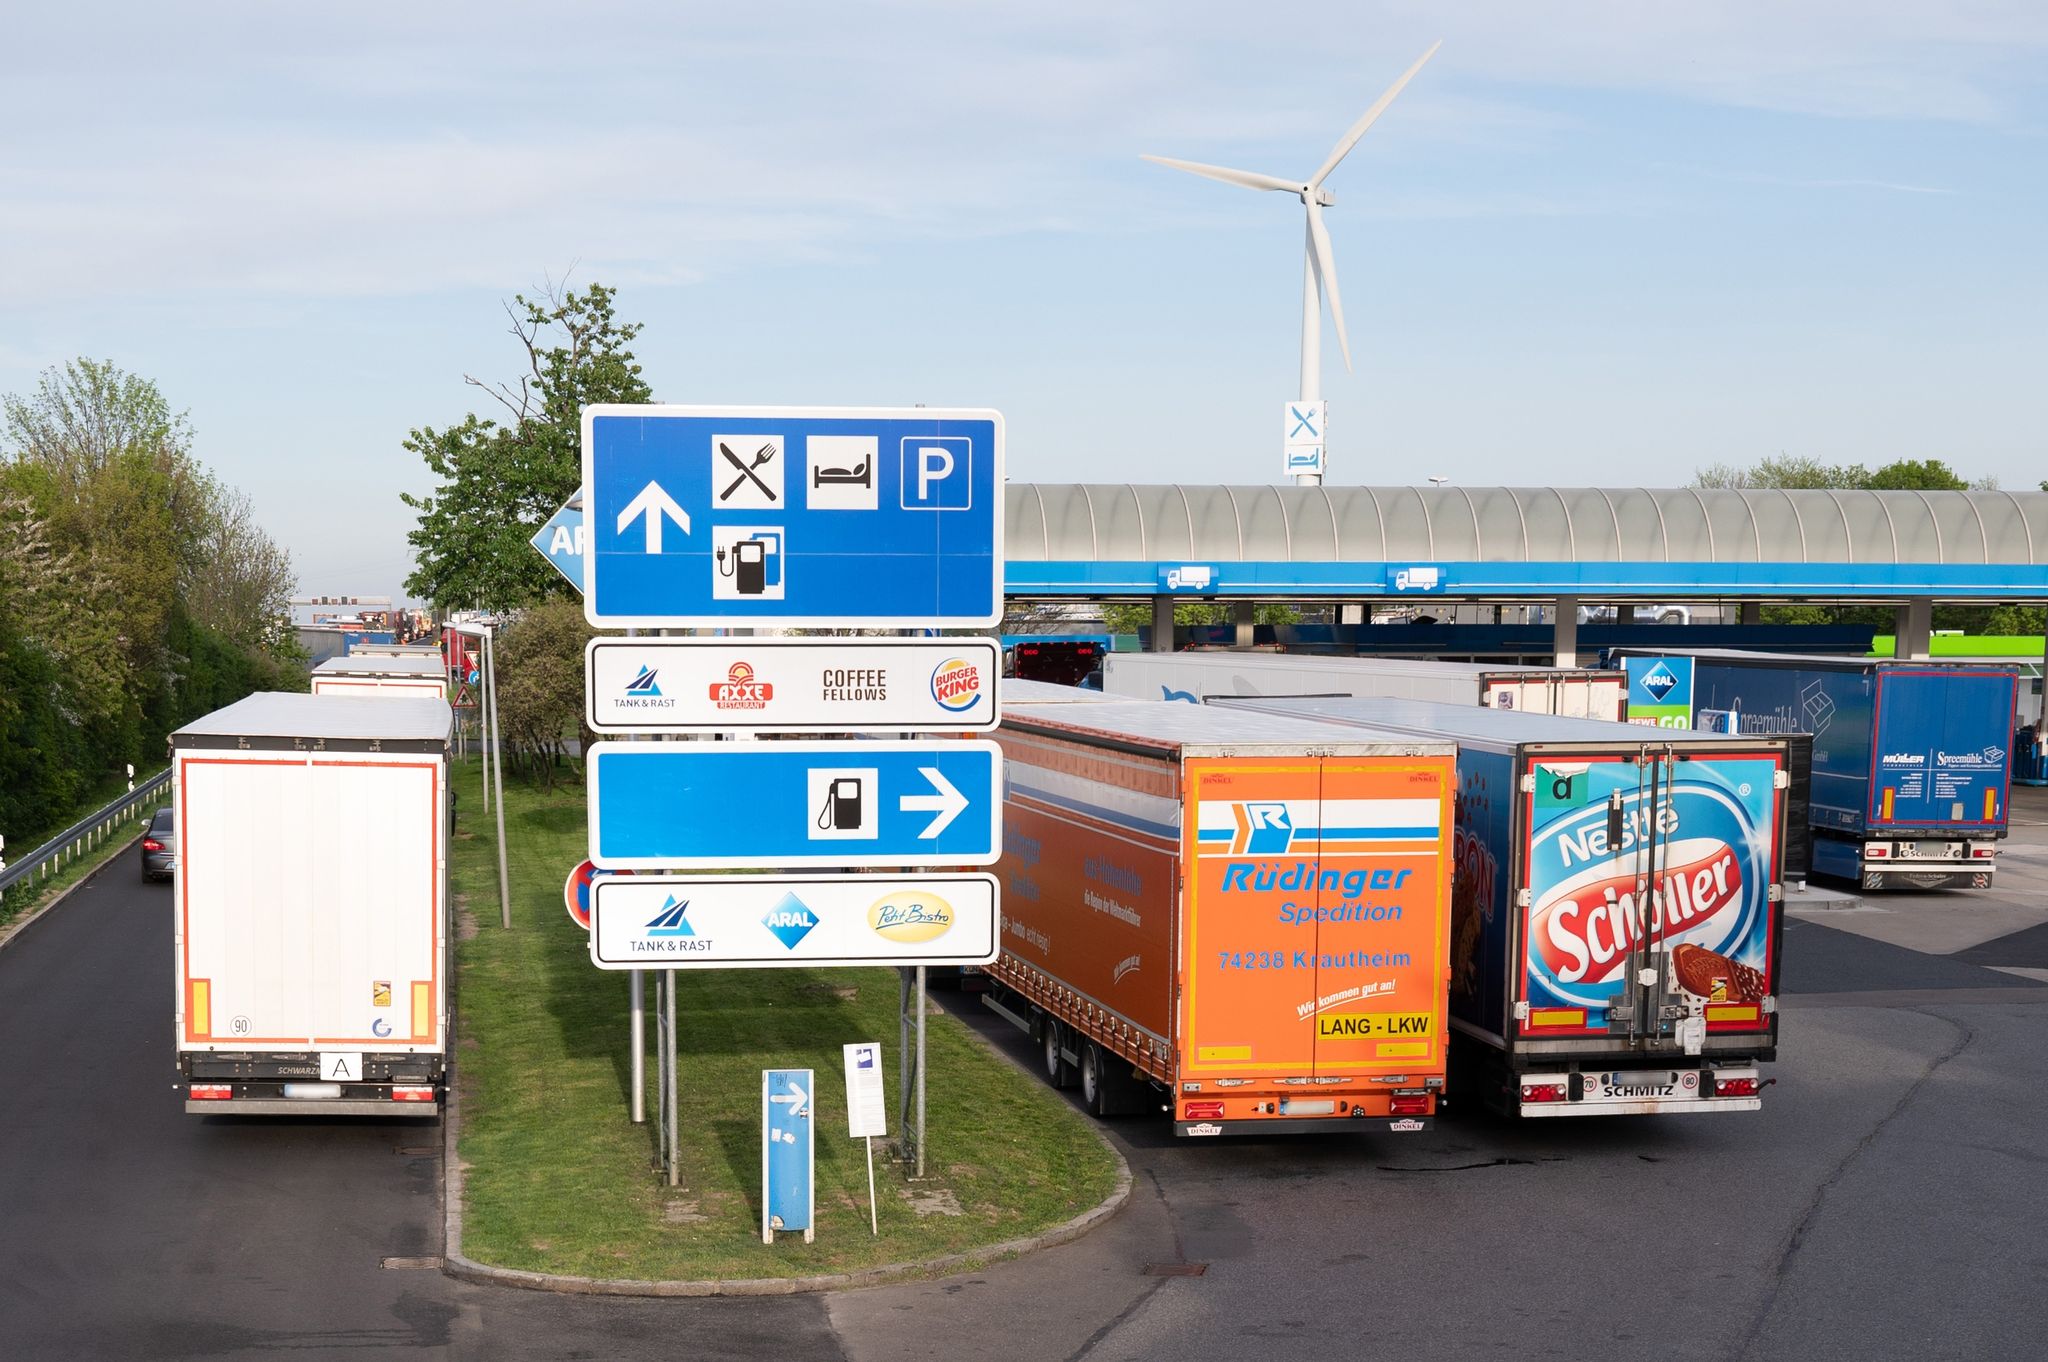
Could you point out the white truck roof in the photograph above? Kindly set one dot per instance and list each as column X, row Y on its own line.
column 383, row 666
column 286, row 718
column 1016, row 690
column 1198, row 730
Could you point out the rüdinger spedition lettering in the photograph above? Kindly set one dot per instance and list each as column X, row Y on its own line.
column 1263, row 877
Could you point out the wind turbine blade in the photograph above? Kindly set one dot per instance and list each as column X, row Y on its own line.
column 1350, row 139
column 1326, row 270
column 1245, row 178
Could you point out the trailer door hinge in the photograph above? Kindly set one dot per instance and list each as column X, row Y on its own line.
column 1781, row 780
column 1521, row 1011
column 1770, row 1004
column 1522, row 899
column 1777, row 893
column 1528, row 784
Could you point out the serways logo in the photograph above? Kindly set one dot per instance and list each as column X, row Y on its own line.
column 1712, row 887
column 957, row 684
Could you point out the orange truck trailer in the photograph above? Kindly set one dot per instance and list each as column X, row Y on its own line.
column 1242, row 920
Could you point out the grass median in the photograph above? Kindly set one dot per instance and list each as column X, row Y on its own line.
column 560, row 1181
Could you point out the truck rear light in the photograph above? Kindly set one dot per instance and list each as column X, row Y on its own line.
column 1983, row 853
column 211, row 1092
column 1878, row 851
column 1409, row 1106
column 426, row 1094
column 151, row 844
column 1203, row 1111
column 1734, row 1087
column 1543, row 1092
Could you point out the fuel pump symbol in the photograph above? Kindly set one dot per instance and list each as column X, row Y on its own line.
column 747, row 562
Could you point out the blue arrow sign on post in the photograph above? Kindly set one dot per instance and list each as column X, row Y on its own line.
column 788, row 1144
column 824, row 517
column 755, row 805
column 560, row 541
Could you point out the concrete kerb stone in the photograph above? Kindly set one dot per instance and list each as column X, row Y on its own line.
column 15, row 928
column 454, row 1264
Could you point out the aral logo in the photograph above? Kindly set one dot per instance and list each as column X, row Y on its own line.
column 911, row 917
column 643, row 684
column 740, row 690
column 1659, row 681
column 790, row 920
column 957, row 685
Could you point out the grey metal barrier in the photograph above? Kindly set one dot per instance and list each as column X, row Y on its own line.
column 88, row 832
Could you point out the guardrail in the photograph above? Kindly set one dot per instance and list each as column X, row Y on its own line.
column 88, row 832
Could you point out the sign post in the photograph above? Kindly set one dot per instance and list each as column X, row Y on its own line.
column 866, row 1111
column 788, row 1151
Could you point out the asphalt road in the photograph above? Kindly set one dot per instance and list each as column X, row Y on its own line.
column 1888, row 1202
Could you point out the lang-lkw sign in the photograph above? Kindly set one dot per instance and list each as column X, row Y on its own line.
column 696, row 685
column 732, row 921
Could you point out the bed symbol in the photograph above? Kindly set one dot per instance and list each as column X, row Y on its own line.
column 861, row 474
column 841, row 473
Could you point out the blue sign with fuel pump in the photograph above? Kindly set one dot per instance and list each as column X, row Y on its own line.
column 755, row 805
column 711, row 516
column 788, row 1135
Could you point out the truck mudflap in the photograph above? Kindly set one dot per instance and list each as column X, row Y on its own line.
column 1641, row 1092
column 1976, row 875
column 1308, row 1125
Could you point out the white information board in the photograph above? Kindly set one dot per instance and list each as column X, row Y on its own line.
column 867, row 1113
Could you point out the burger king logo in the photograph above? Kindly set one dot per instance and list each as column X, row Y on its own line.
column 911, row 916
column 740, row 690
column 957, row 684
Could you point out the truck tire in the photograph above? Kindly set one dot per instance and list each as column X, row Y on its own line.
column 1058, row 1071
column 1108, row 1088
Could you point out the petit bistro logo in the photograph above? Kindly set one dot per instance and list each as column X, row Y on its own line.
column 911, row 916
column 740, row 690
column 957, row 684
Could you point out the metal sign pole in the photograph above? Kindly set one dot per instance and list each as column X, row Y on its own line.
column 661, row 979
column 920, row 1070
column 496, row 739
column 639, row 1044
column 674, row 1139
column 903, row 1053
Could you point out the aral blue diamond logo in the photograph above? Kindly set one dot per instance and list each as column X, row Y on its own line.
column 790, row 920
column 1659, row 681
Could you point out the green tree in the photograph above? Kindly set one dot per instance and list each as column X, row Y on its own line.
column 1784, row 471
column 1129, row 619
column 1916, row 475
column 499, row 481
column 540, row 685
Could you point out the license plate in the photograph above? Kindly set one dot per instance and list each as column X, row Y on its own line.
column 1666, row 1085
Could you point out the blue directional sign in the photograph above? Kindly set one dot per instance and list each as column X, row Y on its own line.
column 707, row 516
column 770, row 804
column 788, row 1144
column 560, row 541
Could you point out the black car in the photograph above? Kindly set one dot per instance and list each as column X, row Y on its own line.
column 160, row 847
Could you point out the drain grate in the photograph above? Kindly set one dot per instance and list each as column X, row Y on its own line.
column 405, row 1263
column 1175, row 1269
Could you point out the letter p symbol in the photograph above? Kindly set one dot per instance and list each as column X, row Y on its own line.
column 936, row 473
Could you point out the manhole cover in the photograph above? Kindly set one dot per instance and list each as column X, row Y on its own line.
column 403, row 1263
column 1175, row 1269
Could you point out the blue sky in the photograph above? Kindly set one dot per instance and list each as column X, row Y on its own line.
column 1592, row 243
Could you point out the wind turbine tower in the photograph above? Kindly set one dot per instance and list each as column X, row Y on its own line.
column 1304, row 424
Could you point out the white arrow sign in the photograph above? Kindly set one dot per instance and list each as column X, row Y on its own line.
column 948, row 803
column 654, row 502
column 795, row 1094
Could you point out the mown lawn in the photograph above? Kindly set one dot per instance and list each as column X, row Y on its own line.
column 558, row 1178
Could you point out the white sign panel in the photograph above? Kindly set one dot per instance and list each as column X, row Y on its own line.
column 867, row 1113
column 765, row 922
column 696, row 685
column 1303, row 439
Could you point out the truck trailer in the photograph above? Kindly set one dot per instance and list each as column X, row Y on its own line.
column 1912, row 761
column 311, row 906
column 1197, row 676
column 1617, row 915
column 1242, row 921
column 411, row 678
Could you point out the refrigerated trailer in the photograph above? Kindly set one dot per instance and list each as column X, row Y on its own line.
column 311, row 906
column 1197, row 676
column 1617, row 915
column 412, row 678
column 1912, row 761
column 1239, row 920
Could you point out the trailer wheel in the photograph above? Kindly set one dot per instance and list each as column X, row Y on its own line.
column 1106, row 1089
column 1058, row 1071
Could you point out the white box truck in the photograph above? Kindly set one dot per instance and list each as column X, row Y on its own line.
column 1199, row 676
column 311, row 906
column 410, row 678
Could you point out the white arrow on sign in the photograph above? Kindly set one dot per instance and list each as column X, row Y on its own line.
column 948, row 803
column 795, row 1094
column 654, row 502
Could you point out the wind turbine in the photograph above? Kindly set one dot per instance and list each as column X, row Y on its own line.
column 1319, row 272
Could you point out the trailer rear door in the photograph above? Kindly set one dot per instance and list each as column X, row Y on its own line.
column 1942, row 757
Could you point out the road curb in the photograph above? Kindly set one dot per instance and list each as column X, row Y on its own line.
column 454, row 1264
column 20, row 925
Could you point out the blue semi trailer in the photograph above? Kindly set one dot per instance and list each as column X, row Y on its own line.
column 1912, row 764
